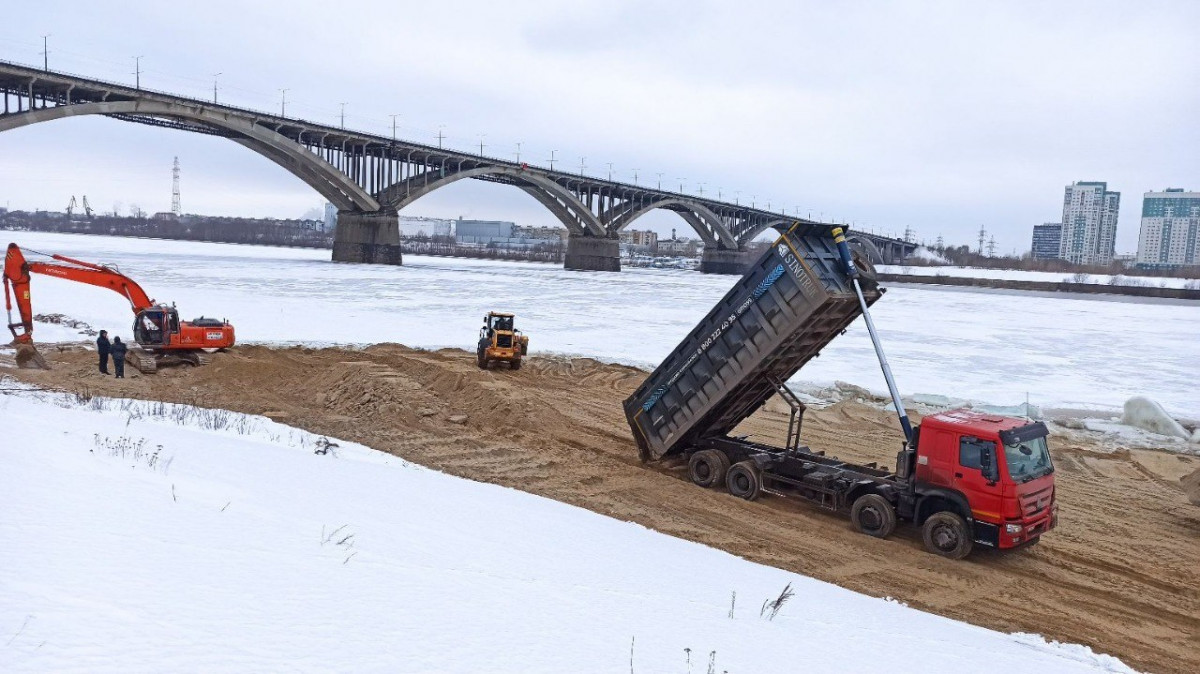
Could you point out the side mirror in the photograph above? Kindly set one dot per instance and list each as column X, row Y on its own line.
column 991, row 472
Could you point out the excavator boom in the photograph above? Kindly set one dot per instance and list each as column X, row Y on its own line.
column 17, row 272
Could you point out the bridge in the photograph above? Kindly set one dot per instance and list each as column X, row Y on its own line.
column 371, row 178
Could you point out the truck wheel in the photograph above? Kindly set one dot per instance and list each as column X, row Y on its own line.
column 515, row 364
column 707, row 467
column 481, row 359
column 743, row 480
column 946, row 534
column 873, row 515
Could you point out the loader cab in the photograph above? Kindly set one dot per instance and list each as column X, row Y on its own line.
column 155, row 326
column 494, row 323
column 995, row 471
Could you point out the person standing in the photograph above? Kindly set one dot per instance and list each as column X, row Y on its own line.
column 118, row 356
column 103, row 347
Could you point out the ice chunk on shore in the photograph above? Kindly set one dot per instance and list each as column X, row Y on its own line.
column 1142, row 412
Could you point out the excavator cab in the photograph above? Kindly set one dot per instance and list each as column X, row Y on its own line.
column 500, row 341
column 153, row 327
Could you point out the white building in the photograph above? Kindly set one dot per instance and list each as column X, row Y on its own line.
column 424, row 228
column 1089, row 223
column 1170, row 234
column 330, row 217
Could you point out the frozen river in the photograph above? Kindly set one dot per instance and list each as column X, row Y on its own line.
column 992, row 346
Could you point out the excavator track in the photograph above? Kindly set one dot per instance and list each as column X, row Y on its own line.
column 141, row 360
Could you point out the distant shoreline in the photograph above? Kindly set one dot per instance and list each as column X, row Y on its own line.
column 1045, row 286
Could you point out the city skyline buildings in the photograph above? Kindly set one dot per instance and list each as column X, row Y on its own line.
column 1089, row 223
column 1169, row 235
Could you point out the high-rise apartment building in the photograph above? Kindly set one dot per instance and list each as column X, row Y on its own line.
column 1170, row 233
column 1089, row 223
column 1046, row 240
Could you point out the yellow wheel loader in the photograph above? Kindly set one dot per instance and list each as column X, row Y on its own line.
column 500, row 342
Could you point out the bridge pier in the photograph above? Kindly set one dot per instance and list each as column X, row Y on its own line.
column 724, row 261
column 372, row 238
column 587, row 253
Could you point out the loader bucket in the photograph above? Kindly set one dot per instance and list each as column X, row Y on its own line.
column 28, row 358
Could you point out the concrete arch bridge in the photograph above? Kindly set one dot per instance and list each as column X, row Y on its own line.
column 371, row 178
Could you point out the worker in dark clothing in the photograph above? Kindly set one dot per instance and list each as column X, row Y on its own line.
column 102, row 346
column 118, row 356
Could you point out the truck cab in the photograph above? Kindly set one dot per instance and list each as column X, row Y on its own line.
column 994, row 472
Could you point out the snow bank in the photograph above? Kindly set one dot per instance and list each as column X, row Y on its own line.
column 150, row 537
column 1142, row 412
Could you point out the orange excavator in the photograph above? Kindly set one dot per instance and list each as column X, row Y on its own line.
column 163, row 338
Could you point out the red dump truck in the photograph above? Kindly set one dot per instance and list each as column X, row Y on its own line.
column 964, row 477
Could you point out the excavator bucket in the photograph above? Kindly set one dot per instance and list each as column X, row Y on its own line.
column 28, row 358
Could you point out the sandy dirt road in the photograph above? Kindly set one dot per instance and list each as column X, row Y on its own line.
column 1120, row 574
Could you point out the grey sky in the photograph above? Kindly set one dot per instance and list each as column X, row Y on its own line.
column 942, row 116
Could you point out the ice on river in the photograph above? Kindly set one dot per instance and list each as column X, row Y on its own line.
column 984, row 345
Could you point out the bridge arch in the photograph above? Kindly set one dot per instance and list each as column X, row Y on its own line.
column 559, row 200
column 746, row 236
column 319, row 174
column 865, row 246
column 699, row 217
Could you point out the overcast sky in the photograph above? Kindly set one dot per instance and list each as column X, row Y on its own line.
column 939, row 116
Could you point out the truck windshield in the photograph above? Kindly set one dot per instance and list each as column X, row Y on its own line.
column 1028, row 460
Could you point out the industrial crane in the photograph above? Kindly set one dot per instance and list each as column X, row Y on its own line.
column 163, row 338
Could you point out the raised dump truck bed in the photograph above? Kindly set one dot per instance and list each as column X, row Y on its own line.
column 964, row 477
column 792, row 302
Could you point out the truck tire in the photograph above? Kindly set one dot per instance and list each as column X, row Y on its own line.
column 743, row 480
column 514, row 364
column 481, row 359
column 873, row 515
column 947, row 534
column 707, row 467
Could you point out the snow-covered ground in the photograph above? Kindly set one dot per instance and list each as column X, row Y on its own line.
column 991, row 346
column 146, row 537
column 1053, row 277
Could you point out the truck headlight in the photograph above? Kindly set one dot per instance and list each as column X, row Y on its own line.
column 1013, row 529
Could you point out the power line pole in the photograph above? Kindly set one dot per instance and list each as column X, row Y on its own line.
column 635, row 176
column 283, row 102
column 609, row 170
column 343, row 115
column 137, row 72
column 582, row 166
column 46, row 52
column 518, row 152
column 552, row 159
column 481, row 145
column 992, row 246
column 440, row 136
column 659, row 180
column 982, row 236
column 176, row 208
column 394, row 126
column 215, row 76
